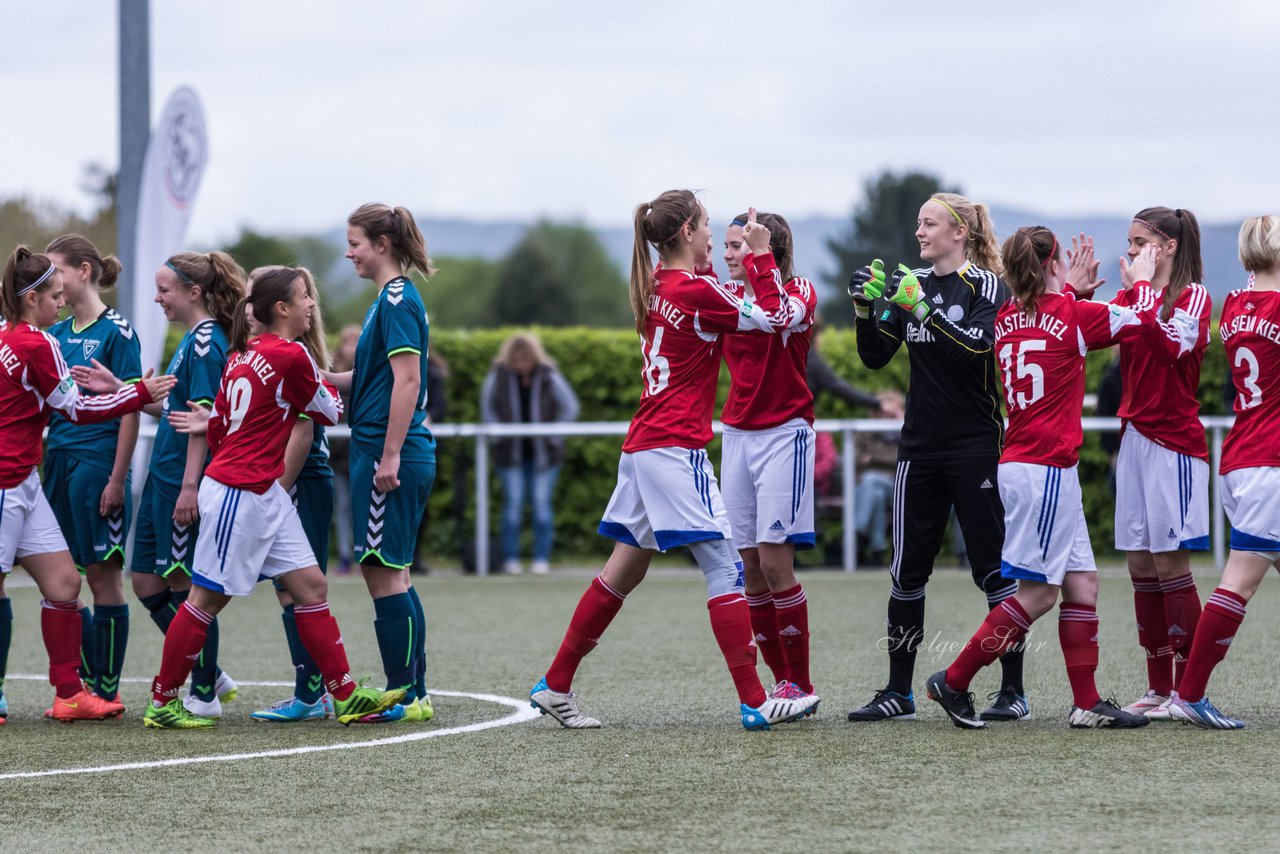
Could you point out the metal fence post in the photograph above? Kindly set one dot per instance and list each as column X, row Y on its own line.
column 1219, row 525
column 482, row 504
column 849, row 478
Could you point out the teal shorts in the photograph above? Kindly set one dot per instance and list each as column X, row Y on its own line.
column 385, row 524
column 160, row 545
column 74, row 487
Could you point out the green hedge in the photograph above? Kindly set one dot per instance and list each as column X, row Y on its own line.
column 603, row 365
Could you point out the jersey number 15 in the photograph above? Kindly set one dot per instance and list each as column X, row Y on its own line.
column 1013, row 357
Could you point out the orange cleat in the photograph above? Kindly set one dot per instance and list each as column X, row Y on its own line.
column 84, row 706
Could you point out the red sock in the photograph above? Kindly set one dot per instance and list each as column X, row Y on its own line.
column 731, row 624
column 182, row 644
column 319, row 633
column 596, row 610
column 1218, row 625
column 765, row 625
column 1006, row 624
column 792, row 617
column 60, row 626
column 1153, row 636
column 1182, row 613
column 1078, row 635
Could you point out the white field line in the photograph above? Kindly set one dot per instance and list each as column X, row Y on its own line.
column 521, row 712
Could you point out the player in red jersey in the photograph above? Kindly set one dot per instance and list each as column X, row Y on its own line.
column 1162, row 470
column 34, row 381
column 666, row 494
column 1042, row 334
column 1250, row 467
column 251, row 530
column 766, row 465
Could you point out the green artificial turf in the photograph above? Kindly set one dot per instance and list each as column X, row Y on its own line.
column 672, row 768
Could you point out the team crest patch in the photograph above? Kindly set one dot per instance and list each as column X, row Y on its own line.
column 90, row 347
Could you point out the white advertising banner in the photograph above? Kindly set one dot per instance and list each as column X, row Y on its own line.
column 171, row 173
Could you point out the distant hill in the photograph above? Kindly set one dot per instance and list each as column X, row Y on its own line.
column 493, row 240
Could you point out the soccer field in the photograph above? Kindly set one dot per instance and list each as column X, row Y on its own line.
column 672, row 767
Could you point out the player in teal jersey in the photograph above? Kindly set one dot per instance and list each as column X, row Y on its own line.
column 308, row 478
column 392, row 452
column 86, row 468
column 199, row 291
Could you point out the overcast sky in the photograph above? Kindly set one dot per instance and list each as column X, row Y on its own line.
column 488, row 110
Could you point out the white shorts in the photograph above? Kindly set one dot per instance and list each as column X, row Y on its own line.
column 246, row 538
column 767, row 477
column 1045, row 535
column 1251, row 498
column 27, row 524
column 1162, row 498
column 665, row 498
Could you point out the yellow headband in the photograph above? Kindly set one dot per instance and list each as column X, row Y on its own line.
column 959, row 219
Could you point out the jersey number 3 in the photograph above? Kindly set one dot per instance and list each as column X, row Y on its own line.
column 1249, row 382
column 1013, row 357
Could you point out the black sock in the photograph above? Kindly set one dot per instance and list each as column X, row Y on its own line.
column 906, row 630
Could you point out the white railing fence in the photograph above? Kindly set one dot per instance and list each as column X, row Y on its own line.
column 848, row 429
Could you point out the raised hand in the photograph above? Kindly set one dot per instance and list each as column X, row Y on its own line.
column 1142, row 269
column 909, row 294
column 193, row 422
column 1082, row 271
column 756, row 235
column 867, row 283
column 97, row 379
column 158, row 387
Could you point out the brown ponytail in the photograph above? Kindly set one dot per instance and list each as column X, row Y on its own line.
column 219, row 277
column 660, row 223
column 270, row 286
column 397, row 225
column 1181, row 227
column 22, row 268
column 77, row 250
column 1026, row 256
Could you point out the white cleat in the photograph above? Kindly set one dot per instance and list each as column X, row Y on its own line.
column 778, row 710
column 562, row 707
column 211, row 710
column 226, row 688
column 1154, row 706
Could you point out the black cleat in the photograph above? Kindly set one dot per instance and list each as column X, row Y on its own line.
column 957, row 704
column 886, row 705
column 1007, row 705
column 1105, row 714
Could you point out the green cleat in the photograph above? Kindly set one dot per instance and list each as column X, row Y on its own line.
column 425, row 712
column 174, row 715
column 364, row 702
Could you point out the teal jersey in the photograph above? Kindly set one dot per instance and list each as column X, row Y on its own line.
column 317, row 462
column 197, row 364
column 395, row 323
column 112, row 341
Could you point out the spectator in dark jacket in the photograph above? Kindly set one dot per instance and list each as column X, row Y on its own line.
column 524, row 386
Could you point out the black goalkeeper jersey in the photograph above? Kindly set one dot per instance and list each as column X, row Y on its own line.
column 953, row 403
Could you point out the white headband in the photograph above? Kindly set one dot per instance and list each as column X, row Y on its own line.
column 38, row 282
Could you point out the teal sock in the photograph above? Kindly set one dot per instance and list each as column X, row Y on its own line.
column 308, row 684
column 6, row 635
column 161, row 608
column 393, row 626
column 419, row 644
column 110, row 639
column 88, row 666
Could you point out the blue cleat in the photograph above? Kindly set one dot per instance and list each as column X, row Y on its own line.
column 294, row 710
column 1200, row 713
column 4, row 708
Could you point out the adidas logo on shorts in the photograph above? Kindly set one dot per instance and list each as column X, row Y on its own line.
column 1172, row 535
column 777, row 526
column 986, row 484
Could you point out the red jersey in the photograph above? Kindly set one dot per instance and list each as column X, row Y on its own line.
column 1160, row 373
column 681, row 348
column 1250, row 330
column 767, row 372
column 1042, row 360
column 263, row 391
column 35, row 380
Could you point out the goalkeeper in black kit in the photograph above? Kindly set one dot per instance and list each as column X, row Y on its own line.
column 952, row 432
